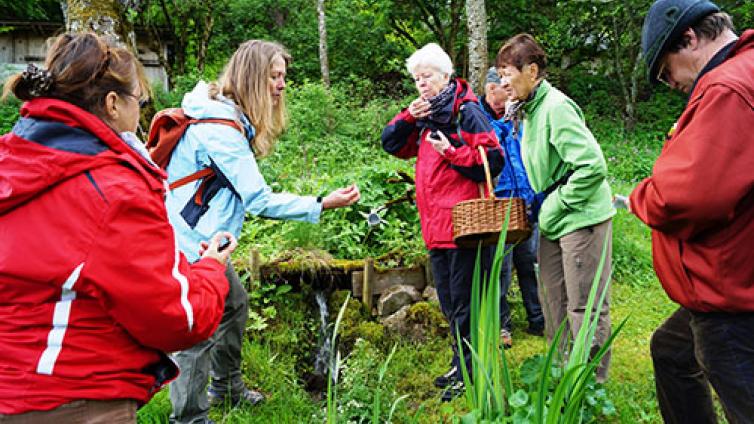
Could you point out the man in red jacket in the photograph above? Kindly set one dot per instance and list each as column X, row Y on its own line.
column 699, row 203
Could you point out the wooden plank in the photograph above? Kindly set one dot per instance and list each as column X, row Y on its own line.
column 428, row 276
column 255, row 264
column 386, row 279
column 367, row 281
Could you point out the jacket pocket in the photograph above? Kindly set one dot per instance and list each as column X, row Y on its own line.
column 198, row 204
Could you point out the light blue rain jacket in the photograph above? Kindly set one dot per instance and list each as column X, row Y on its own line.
column 239, row 186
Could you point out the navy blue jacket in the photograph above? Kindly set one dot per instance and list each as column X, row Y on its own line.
column 513, row 181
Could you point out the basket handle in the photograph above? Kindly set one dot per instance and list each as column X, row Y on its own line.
column 487, row 175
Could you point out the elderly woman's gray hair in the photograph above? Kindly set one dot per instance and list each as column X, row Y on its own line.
column 430, row 55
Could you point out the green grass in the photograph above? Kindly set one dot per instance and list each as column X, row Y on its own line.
column 268, row 367
column 272, row 356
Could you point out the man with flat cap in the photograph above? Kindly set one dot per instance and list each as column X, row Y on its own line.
column 503, row 114
column 699, row 202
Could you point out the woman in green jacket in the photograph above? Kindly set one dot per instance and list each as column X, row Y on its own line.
column 566, row 166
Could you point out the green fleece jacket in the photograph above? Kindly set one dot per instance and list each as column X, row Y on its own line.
column 557, row 140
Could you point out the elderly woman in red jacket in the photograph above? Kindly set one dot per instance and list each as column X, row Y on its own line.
column 443, row 128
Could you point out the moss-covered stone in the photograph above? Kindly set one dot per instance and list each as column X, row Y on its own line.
column 427, row 317
column 373, row 332
column 336, row 301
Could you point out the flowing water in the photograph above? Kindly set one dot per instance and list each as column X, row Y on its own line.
column 322, row 360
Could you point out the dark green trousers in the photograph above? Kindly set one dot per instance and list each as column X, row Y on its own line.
column 218, row 357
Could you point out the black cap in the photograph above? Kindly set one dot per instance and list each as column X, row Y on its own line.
column 665, row 23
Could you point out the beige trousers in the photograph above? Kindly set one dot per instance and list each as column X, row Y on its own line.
column 567, row 267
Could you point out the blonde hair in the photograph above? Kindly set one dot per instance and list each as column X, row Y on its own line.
column 246, row 81
column 430, row 55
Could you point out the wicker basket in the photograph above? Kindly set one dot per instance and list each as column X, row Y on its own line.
column 481, row 220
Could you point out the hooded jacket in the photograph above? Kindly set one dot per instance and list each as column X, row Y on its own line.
column 555, row 142
column 512, row 181
column 93, row 288
column 443, row 180
column 699, row 200
column 239, row 187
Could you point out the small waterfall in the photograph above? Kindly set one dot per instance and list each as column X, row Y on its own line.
column 322, row 360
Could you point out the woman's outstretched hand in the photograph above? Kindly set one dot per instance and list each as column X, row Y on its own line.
column 341, row 197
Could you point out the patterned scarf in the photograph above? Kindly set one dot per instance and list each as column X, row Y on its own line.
column 514, row 110
column 441, row 106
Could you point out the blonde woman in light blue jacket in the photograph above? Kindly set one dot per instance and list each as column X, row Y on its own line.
column 250, row 93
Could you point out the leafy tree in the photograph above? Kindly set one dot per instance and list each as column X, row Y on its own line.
column 40, row 10
column 186, row 26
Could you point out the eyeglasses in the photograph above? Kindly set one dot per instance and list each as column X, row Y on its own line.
column 662, row 74
column 142, row 102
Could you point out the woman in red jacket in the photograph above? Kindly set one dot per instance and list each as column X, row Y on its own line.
column 92, row 288
column 443, row 129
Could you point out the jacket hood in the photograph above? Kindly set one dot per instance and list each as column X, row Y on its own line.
column 54, row 141
column 463, row 94
column 198, row 105
column 745, row 42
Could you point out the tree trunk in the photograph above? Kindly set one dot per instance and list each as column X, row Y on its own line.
column 103, row 17
column 636, row 74
column 209, row 21
column 476, row 20
column 324, row 66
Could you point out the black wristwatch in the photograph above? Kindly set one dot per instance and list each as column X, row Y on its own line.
column 319, row 199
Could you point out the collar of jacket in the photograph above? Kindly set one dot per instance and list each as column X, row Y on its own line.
column 743, row 43
column 441, row 106
column 463, row 94
column 719, row 57
column 71, row 115
column 488, row 109
column 540, row 92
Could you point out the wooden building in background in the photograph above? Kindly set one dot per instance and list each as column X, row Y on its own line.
column 23, row 42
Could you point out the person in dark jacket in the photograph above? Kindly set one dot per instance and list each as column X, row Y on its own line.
column 699, row 202
column 93, row 289
column 442, row 128
column 513, row 182
column 495, row 97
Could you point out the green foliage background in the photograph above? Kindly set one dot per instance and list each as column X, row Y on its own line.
column 333, row 141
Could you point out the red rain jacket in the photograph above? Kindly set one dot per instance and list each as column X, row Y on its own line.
column 699, row 200
column 92, row 287
column 438, row 186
